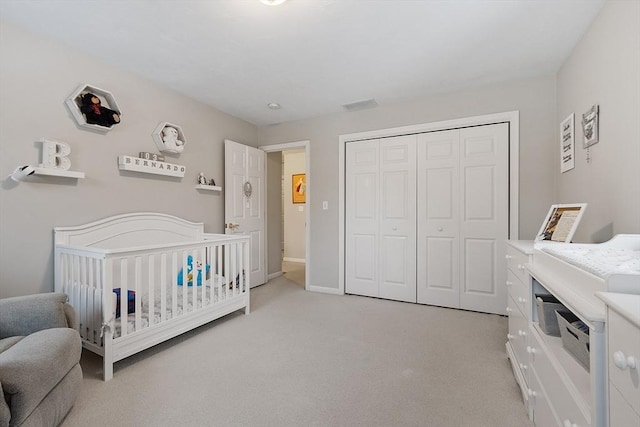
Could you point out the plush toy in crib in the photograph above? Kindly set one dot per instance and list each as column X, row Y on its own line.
column 190, row 272
column 131, row 302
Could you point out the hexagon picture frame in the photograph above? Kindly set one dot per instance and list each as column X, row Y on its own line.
column 168, row 140
column 73, row 103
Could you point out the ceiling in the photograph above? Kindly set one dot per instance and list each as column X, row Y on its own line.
column 314, row 56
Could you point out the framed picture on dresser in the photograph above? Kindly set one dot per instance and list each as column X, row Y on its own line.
column 561, row 222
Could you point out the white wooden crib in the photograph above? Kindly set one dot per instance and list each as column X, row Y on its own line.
column 173, row 276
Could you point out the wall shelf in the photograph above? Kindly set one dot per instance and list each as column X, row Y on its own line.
column 73, row 104
column 136, row 164
column 208, row 187
column 58, row 172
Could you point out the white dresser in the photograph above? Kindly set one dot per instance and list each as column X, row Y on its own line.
column 623, row 353
column 557, row 389
column 519, row 254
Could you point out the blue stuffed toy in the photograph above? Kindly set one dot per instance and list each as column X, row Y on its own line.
column 190, row 272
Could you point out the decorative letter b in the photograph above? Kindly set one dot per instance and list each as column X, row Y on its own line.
column 54, row 155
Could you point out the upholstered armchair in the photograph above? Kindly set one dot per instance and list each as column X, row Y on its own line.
column 40, row 374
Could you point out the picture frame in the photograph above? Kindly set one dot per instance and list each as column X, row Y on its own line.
column 567, row 144
column 561, row 222
column 590, row 126
column 299, row 188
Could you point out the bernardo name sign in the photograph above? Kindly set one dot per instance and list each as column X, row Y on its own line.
column 137, row 164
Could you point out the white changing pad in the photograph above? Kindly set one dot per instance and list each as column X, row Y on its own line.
column 597, row 260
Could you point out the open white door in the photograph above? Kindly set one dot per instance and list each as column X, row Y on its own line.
column 244, row 202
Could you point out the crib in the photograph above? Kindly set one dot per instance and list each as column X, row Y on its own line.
column 138, row 279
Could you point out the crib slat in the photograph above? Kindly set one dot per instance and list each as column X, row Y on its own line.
column 151, row 287
column 124, row 291
column 174, row 288
column 163, row 287
column 137, row 289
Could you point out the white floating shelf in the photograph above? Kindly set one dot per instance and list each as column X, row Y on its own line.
column 208, row 187
column 73, row 103
column 59, row 172
column 136, row 164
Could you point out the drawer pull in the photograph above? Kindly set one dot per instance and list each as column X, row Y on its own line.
column 531, row 350
column 508, row 256
column 522, row 333
column 509, row 309
column 568, row 423
column 622, row 362
column 510, row 337
column 523, row 366
column 521, row 267
column 522, row 300
column 532, row 393
column 509, row 283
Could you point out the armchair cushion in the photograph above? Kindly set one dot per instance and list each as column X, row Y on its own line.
column 25, row 315
column 32, row 367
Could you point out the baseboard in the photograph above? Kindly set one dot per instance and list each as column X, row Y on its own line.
column 323, row 290
column 274, row 275
column 300, row 260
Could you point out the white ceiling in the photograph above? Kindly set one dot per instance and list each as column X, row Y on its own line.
column 313, row 56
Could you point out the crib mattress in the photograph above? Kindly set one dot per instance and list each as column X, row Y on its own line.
column 202, row 298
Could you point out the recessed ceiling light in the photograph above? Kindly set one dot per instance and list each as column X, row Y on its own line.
column 272, row 2
column 274, row 106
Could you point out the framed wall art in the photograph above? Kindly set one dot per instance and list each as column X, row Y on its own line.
column 561, row 222
column 299, row 187
column 590, row 126
column 567, row 144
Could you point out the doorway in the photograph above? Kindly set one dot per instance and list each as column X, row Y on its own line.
column 287, row 207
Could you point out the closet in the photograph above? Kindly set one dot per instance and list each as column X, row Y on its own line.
column 426, row 217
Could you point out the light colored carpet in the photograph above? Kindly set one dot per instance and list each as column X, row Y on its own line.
column 308, row 359
column 294, row 271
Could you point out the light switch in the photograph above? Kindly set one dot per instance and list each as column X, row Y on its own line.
column 325, row 205
column 300, row 208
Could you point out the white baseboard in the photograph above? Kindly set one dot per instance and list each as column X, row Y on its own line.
column 300, row 260
column 323, row 290
column 274, row 275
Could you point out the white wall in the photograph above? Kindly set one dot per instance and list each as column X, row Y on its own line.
column 534, row 98
column 36, row 76
column 604, row 69
column 294, row 214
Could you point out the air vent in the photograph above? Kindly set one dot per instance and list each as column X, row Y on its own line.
column 361, row 105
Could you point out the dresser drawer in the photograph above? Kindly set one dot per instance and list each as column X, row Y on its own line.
column 562, row 397
column 624, row 350
column 620, row 412
column 518, row 337
column 516, row 262
column 520, row 293
column 543, row 414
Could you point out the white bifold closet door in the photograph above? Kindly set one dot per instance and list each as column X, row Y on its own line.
column 381, row 218
column 463, row 217
column 427, row 216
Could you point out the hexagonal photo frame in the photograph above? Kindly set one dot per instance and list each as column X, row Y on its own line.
column 169, row 138
column 94, row 108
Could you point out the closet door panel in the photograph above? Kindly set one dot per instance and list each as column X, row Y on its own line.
column 438, row 218
column 398, row 218
column 362, row 217
column 484, row 169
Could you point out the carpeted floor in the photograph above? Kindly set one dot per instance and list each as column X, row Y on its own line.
column 309, row 359
column 294, row 271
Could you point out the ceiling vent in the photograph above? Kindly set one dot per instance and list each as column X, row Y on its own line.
column 361, row 105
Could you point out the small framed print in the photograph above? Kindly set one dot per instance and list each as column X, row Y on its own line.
column 590, row 126
column 299, row 188
column 567, row 144
column 561, row 223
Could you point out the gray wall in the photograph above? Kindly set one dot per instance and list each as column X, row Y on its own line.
column 36, row 76
column 535, row 99
column 604, row 69
column 294, row 218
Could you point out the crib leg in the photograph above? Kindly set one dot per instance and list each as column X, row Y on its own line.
column 108, row 370
column 247, row 308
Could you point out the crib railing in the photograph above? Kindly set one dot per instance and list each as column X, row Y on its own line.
column 181, row 278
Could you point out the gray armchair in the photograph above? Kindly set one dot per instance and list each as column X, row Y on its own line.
column 40, row 374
